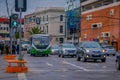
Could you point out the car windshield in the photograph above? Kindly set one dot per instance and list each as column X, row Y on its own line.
column 91, row 45
column 25, row 42
column 55, row 47
column 68, row 46
column 108, row 46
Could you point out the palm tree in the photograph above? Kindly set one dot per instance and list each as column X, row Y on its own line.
column 35, row 30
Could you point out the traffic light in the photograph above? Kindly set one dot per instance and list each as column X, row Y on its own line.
column 14, row 20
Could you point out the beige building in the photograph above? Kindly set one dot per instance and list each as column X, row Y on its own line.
column 50, row 20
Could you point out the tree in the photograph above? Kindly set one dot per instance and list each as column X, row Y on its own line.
column 35, row 30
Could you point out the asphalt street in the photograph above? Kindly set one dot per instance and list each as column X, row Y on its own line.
column 55, row 68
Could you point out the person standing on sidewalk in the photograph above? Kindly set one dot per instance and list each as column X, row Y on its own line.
column 17, row 48
column 13, row 49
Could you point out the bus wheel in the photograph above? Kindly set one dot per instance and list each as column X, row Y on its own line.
column 47, row 55
column 31, row 55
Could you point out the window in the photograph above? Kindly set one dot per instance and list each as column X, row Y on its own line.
column 61, row 28
column 7, row 28
column 98, row 4
column 107, row 2
column 30, row 19
column 61, row 17
column 34, row 18
column 89, row 17
column 61, row 40
column 46, row 29
column 47, row 18
column 43, row 19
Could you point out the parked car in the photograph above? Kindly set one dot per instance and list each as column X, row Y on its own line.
column 90, row 50
column 109, row 49
column 118, row 60
column 25, row 45
column 67, row 49
column 55, row 49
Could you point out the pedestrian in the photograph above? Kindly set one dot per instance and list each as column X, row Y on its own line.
column 7, row 49
column 2, row 48
column 17, row 48
column 13, row 49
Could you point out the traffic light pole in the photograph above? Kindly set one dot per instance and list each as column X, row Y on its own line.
column 10, row 36
column 20, row 54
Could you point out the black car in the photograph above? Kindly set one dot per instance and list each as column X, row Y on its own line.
column 118, row 60
column 90, row 50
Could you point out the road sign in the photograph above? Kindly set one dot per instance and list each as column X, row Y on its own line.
column 20, row 5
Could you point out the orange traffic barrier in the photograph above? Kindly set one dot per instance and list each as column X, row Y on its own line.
column 16, row 66
column 9, row 57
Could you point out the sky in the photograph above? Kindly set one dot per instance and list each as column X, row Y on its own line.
column 32, row 6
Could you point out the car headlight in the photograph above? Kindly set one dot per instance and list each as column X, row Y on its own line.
column 52, row 51
column 64, row 50
column 87, row 50
column 104, row 50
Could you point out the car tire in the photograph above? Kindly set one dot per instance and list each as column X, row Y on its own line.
column 78, row 58
column 62, row 56
column 117, row 65
column 103, row 60
column 95, row 60
column 113, row 54
column 59, row 55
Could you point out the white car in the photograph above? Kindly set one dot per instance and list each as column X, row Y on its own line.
column 67, row 49
column 25, row 45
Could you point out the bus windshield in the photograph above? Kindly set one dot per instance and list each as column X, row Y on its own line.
column 41, row 42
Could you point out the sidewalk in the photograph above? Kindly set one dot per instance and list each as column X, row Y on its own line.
column 3, row 74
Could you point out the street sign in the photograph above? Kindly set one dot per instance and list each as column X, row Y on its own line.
column 20, row 5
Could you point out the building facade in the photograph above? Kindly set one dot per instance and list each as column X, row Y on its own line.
column 50, row 20
column 5, row 29
column 72, row 11
column 100, row 20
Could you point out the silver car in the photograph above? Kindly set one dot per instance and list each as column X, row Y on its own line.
column 90, row 50
column 55, row 49
column 109, row 49
column 67, row 49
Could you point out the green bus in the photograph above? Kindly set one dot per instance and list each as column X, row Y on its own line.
column 40, row 45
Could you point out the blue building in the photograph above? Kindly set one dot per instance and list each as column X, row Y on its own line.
column 72, row 11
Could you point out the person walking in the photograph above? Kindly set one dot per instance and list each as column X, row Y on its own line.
column 13, row 49
column 17, row 48
column 7, row 49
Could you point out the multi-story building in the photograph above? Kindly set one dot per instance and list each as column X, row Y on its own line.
column 50, row 20
column 72, row 11
column 5, row 29
column 100, row 20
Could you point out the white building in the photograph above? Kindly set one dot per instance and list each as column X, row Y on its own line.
column 51, row 20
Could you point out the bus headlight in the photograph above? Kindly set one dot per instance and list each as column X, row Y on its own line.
column 87, row 50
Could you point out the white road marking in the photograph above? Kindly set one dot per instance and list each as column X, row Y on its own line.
column 48, row 70
column 84, row 69
column 49, row 64
column 21, row 76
